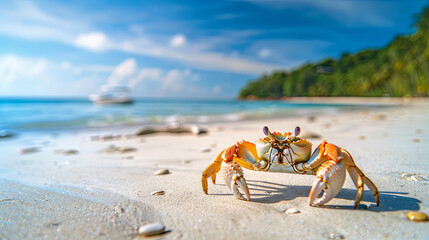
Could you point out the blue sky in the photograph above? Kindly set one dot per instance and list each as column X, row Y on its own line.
column 201, row 49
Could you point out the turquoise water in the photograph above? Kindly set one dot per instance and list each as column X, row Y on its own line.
column 36, row 114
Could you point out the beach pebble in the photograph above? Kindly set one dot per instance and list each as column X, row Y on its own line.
column 362, row 137
column 312, row 118
column 28, row 150
column 417, row 216
column 205, row 149
column 310, row 135
column 151, row 229
column 128, row 136
column 292, row 211
column 326, row 125
column 161, row 172
column 336, row 236
column 109, row 149
column 418, row 131
column 160, row 192
column 109, row 137
column 6, row 134
column 416, row 178
column 416, row 140
column 379, row 117
column 70, row 152
column 197, row 130
column 406, row 175
column 127, row 149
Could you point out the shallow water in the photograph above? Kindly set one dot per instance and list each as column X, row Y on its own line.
column 45, row 114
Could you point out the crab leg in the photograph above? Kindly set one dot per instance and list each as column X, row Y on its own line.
column 211, row 171
column 359, row 179
column 233, row 176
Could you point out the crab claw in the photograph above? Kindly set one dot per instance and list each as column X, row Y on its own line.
column 233, row 177
column 330, row 180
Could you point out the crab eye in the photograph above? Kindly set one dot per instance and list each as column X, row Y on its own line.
column 265, row 130
column 297, row 131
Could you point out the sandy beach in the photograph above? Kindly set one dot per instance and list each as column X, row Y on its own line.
column 69, row 186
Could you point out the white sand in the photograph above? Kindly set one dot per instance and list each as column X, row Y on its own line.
column 52, row 196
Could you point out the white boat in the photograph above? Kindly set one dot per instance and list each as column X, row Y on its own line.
column 112, row 94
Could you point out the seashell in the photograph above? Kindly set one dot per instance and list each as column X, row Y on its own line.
column 406, row 175
column 311, row 118
column 379, row 117
column 417, row 216
column 28, row 150
column 162, row 172
column 416, row 178
column 336, row 236
column 292, row 211
column 151, row 229
column 310, row 135
column 70, row 152
column 127, row 149
column 206, row 149
column 6, row 134
column 160, row 192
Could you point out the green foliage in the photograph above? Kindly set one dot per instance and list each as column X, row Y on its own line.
column 399, row 69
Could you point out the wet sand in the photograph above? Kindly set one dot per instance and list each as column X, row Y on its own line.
column 75, row 188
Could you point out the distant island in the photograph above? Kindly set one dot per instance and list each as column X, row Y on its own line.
column 397, row 70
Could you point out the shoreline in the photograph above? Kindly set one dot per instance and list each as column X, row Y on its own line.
column 100, row 182
column 320, row 106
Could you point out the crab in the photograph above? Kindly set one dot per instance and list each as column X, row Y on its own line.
column 288, row 153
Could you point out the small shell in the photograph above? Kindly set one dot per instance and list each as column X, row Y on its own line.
column 417, row 216
column 416, row 178
column 205, row 149
column 162, row 172
column 28, row 150
column 336, row 236
column 406, row 175
column 160, row 192
column 127, row 150
column 70, row 152
column 151, row 229
column 292, row 211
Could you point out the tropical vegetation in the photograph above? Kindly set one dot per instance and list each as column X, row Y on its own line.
column 399, row 69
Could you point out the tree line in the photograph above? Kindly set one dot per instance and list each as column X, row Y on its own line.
column 399, row 69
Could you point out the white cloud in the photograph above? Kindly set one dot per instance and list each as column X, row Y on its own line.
column 38, row 76
column 264, row 53
column 198, row 59
column 123, row 72
column 94, row 41
column 13, row 67
column 174, row 80
column 178, row 40
column 27, row 20
column 144, row 75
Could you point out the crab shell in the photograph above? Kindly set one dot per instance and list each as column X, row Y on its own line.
column 267, row 157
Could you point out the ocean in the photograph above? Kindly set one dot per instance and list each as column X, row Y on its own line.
column 27, row 114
